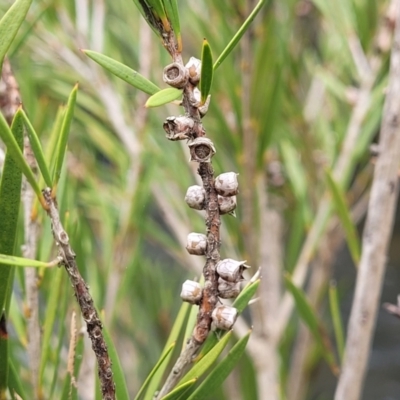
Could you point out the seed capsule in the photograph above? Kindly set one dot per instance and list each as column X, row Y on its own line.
column 201, row 149
column 194, row 68
column 227, row 205
column 227, row 184
column 197, row 97
column 176, row 75
column 231, row 270
column 178, row 128
column 195, row 197
column 228, row 290
column 223, row 317
column 196, row 244
column 191, row 292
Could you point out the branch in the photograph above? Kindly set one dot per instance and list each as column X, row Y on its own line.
column 376, row 238
column 89, row 313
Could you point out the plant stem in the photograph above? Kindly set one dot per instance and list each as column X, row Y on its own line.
column 376, row 238
column 89, row 313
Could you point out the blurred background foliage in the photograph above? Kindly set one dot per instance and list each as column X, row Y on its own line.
column 305, row 77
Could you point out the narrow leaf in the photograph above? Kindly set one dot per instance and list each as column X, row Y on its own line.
column 246, row 295
column 342, row 209
column 10, row 23
column 206, row 76
column 310, row 318
column 180, row 390
column 36, row 148
column 163, row 97
column 10, row 194
column 121, row 389
column 123, row 72
column 14, row 383
column 221, row 371
column 336, row 318
column 23, row 262
column 201, row 367
column 171, row 9
column 158, row 11
column 16, row 153
column 235, row 40
column 176, row 330
column 155, row 369
column 63, row 139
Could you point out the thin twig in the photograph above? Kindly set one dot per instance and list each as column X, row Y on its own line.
column 89, row 313
column 376, row 238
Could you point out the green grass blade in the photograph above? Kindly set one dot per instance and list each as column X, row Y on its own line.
column 310, row 318
column 52, row 310
column 207, row 361
column 36, row 148
column 207, row 70
column 10, row 23
column 163, row 97
column 336, row 318
column 180, row 390
column 16, row 153
column 10, row 195
column 235, row 40
column 121, row 389
column 22, row 262
column 171, row 9
column 159, row 12
column 342, row 209
column 123, row 72
column 63, row 139
column 14, row 381
column 161, row 360
column 176, row 330
column 221, row 371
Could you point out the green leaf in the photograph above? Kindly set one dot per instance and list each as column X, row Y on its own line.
column 207, row 70
column 246, row 295
column 180, row 390
column 153, row 372
column 163, row 97
column 171, row 9
column 310, row 318
column 336, row 318
column 16, row 153
column 121, row 389
column 14, row 382
column 124, row 72
column 158, row 11
column 63, row 139
column 36, row 148
column 221, row 371
column 208, row 360
column 176, row 330
column 235, row 40
column 22, row 262
column 342, row 209
column 10, row 23
column 10, row 195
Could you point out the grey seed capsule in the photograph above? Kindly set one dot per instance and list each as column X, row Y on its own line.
column 201, row 149
column 196, row 244
column 226, row 205
column 226, row 184
column 176, row 75
column 228, row 290
column 195, row 197
column 223, row 317
column 178, row 128
column 191, row 292
column 194, row 69
column 231, row 270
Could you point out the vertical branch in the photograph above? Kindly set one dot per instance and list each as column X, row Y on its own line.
column 89, row 313
column 376, row 237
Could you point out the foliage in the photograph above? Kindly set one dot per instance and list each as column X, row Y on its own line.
column 284, row 102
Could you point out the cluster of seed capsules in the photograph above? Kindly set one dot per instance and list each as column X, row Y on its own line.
column 229, row 271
